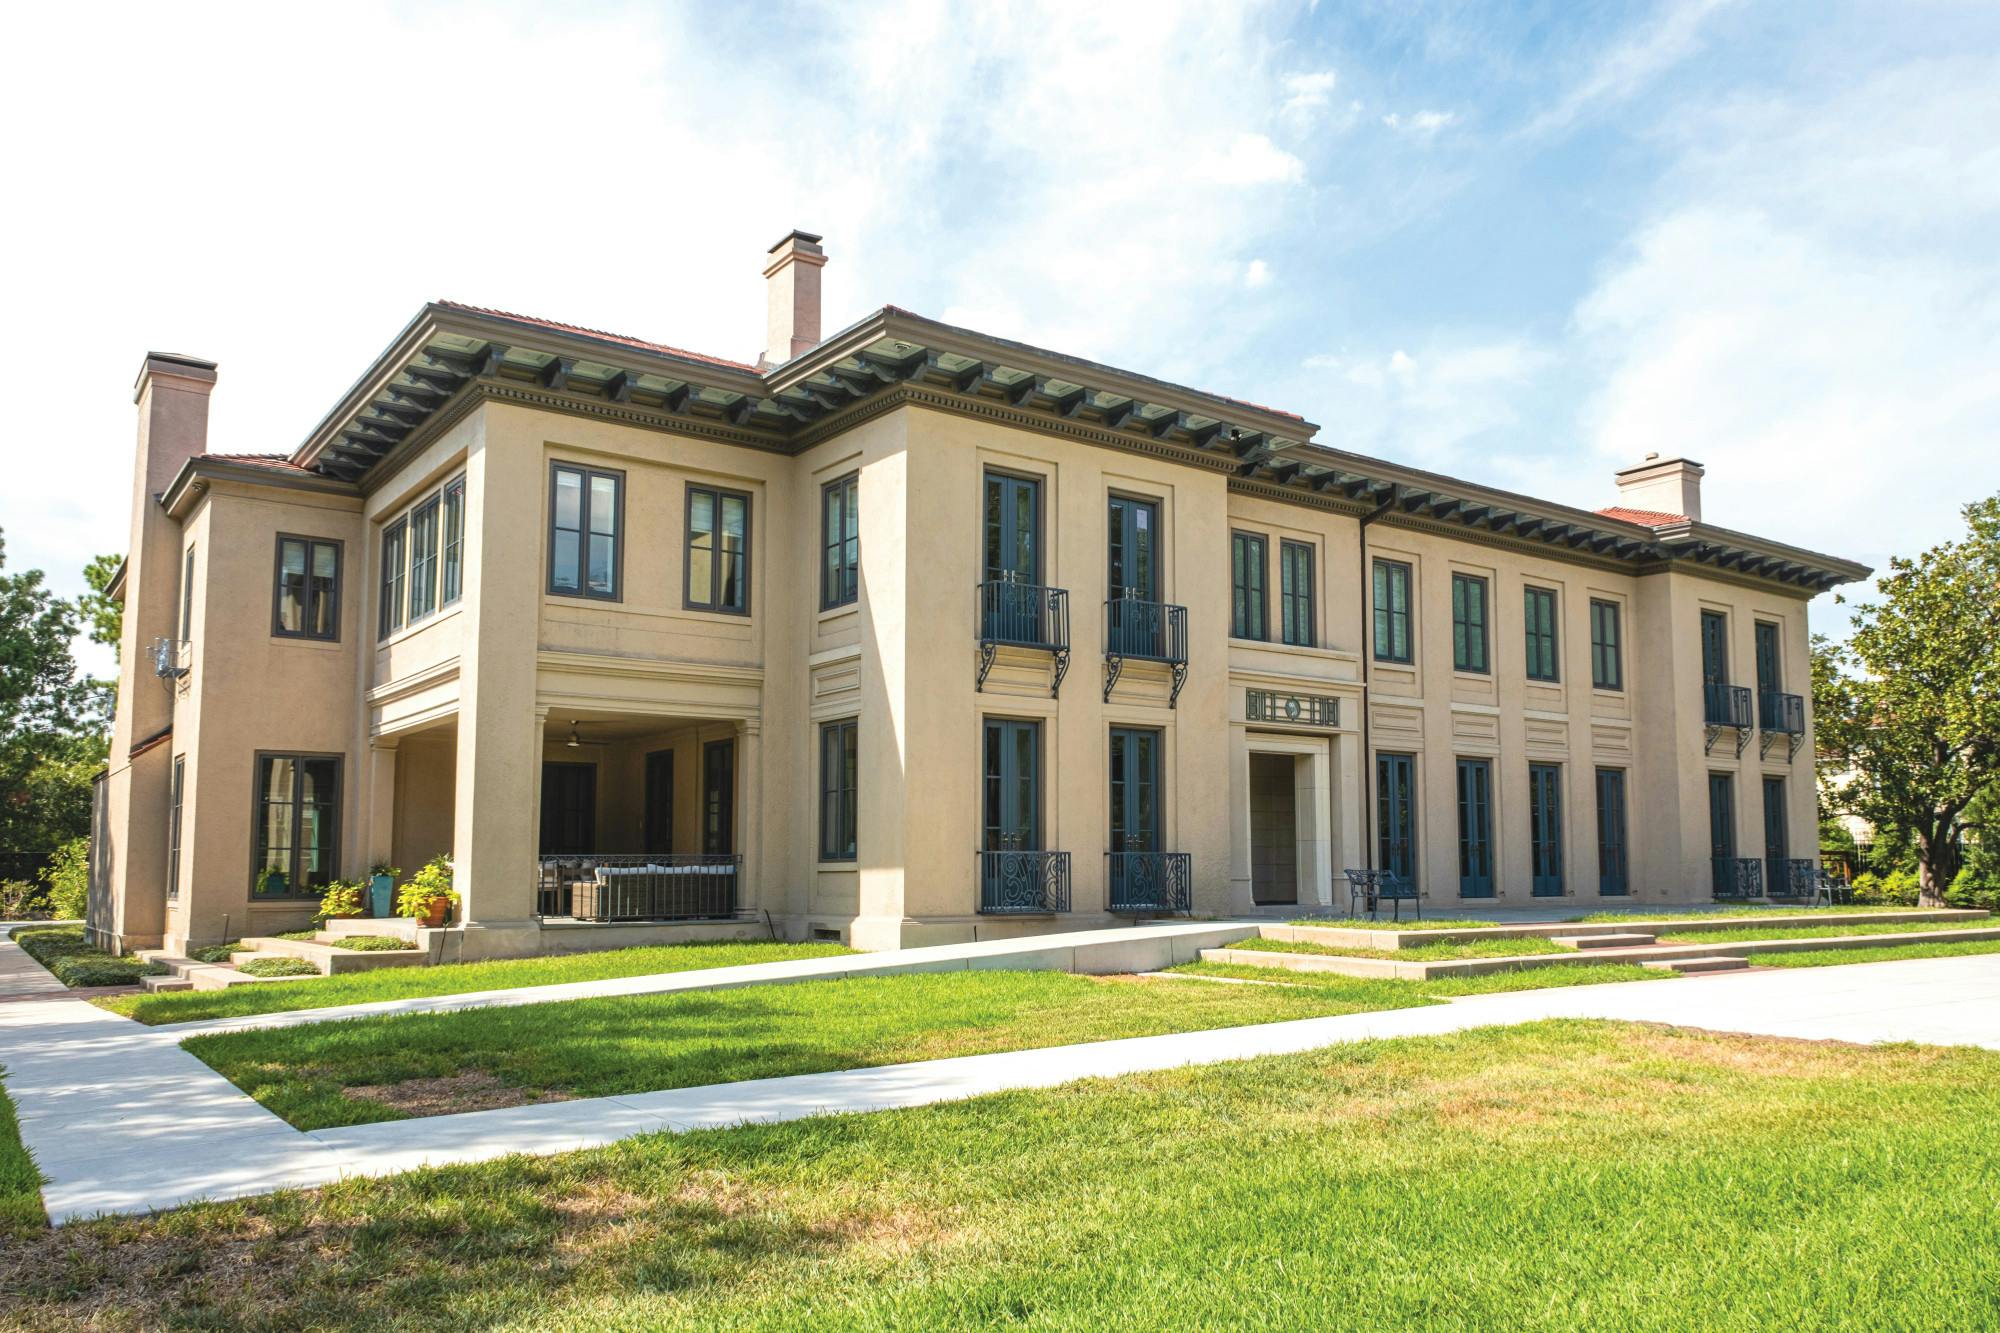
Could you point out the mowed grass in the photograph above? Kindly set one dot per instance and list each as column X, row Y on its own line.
column 459, row 978
column 1443, row 950
column 1748, row 909
column 1877, row 953
column 1803, row 932
column 1367, row 923
column 1555, row 1176
column 626, row 1044
column 20, row 1183
column 1439, row 988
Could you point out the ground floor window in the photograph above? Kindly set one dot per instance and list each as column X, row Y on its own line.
column 1777, row 835
column 1395, row 814
column 1613, row 873
column 1545, row 822
column 174, row 828
column 1475, row 828
column 298, row 825
column 718, row 798
column 838, row 752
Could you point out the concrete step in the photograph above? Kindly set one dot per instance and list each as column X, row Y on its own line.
column 330, row 959
column 1627, row 940
column 170, row 982
column 1697, row 965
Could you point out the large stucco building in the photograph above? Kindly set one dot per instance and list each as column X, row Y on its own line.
column 907, row 635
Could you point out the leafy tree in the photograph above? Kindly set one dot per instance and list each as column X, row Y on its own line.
column 1908, row 712
column 105, row 617
column 51, row 722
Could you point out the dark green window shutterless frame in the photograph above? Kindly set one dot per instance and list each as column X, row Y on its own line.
column 1295, row 591
column 1248, row 555
column 297, row 820
column 1538, row 630
column 840, row 541
column 838, row 770
column 586, row 532
column 1392, row 611
column 718, row 550
column 1468, row 623
column 1607, row 667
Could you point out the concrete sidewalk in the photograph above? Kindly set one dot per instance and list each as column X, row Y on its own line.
column 122, row 1120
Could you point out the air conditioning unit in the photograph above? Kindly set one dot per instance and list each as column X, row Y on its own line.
column 170, row 658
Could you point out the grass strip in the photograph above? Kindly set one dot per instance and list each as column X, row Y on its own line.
column 20, row 1183
column 1442, row 988
column 1442, row 951
column 459, row 978
column 1546, row 1177
column 1735, row 934
column 1879, row 953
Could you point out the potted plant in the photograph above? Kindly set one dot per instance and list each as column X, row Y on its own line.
column 428, row 898
column 341, row 899
column 381, row 888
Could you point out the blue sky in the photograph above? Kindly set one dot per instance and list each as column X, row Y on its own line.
column 1522, row 244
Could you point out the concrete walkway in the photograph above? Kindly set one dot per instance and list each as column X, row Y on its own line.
column 122, row 1120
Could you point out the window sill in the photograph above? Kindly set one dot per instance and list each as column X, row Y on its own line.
column 415, row 626
column 829, row 613
column 847, row 867
column 300, row 641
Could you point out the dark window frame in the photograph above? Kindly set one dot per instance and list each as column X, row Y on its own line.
column 718, row 837
column 451, row 542
column 187, row 595
column 1298, row 618
column 1534, row 636
column 1246, row 576
column 177, row 795
column 426, row 513
column 1462, row 624
column 583, row 589
column 1614, row 844
column 258, row 825
column 839, row 789
column 1386, row 620
column 393, row 585
column 306, row 617
column 717, row 494
column 840, row 554
column 1607, row 652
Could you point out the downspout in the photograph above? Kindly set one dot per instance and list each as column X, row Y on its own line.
column 1367, row 655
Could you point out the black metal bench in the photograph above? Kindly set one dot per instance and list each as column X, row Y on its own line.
column 1372, row 888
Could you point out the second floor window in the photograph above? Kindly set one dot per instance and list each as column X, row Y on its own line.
column 395, row 550
column 586, row 518
column 1295, row 589
column 1607, row 671
column 308, row 589
column 718, row 550
column 840, row 533
column 837, row 787
column 1246, row 561
column 1392, row 611
column 1468, row 622
column 454, row 542
column 424, row 559
column 1538, row 628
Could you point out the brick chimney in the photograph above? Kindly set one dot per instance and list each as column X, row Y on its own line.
column 792, row 281
column 1668, row 485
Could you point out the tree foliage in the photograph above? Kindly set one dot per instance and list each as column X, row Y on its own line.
column 51, row 720
column 1908, row 710
column 104, row 616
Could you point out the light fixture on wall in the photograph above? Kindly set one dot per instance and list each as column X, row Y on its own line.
column 573, row 742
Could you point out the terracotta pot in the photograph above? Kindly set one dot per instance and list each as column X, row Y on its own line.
column 440, row 907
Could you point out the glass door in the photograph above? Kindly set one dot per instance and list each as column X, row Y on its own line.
column 1613, row 877
column 1012, row 605
column 1769, row 680
column 569, row 809
column 1475, row 828
column 1777, row 837
column 718, row 798
column 1722, row 831
column 660, row 802
column 1135, row 786
column 1545, row 828
column 1012, row 806
column 1395, row 800
column 1714, row 648
column 1132, row 579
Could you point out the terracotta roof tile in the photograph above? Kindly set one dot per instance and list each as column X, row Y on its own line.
column 1651, row 518
column 560, row 327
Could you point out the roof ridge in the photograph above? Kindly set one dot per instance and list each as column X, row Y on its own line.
column 605, row 334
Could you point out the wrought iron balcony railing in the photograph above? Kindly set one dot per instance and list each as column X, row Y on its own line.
column 637, row 887
column 1725, row 707
column 1738, row 877
column 1148, row 883
column 1782, row 713
column 1022, row 615
column 1142, row 631
column 1023, row 883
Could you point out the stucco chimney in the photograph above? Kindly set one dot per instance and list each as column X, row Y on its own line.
column 792, row 280
column 1668, row 485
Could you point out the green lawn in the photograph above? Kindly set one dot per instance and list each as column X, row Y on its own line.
column 1879, row 953
column 1364, row 923
column 1550, row 1177
column 458, row 978
column 594, row 1048
column 66, row 951
column 1749, row 909
column 20, row 1184
column 1818, row 932
column 1439, row 988
column 1497, row 947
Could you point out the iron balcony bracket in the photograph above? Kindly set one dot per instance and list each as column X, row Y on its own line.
column 1113, row 664
column 988, row 650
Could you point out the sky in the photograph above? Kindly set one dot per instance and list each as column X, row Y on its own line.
column 1525, row 245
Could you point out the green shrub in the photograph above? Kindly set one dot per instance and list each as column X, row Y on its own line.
column 296, row 935
column 22, row 901
column 67, row 878
column 1972, row 889
column 278, row 967
column 426, row 887
column 1867, row 887
column 372, row 943
column 216, row 953
column 342, row 898
column 66, row 951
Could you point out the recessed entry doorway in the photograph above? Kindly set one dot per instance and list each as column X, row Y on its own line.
column 1274, row 829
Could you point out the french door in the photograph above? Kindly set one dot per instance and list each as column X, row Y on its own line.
column 1395, row 810
column 1012, row 805
column 1769, row 678
column 1475, row 828
column 1012, row 603
column 1132, row 579
column 1714, row 648
column 1545, row 829
column 1777, row 837
column 718, row 798
column 569, row 809
column 660, row 802
column 1135, row 790
column 1613, row 871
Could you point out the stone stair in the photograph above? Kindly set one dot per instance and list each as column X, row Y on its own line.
column 192, row 974
column 1695, row 966
column 329, row 958
column 1626, row 940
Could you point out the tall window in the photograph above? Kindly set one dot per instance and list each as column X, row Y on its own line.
column 187, row 597
column 1538, row 628
column 1392, row 611
column 718, row 550
column 840, row 538
column 1475, row 828
column 718, row 798
column 1295, row 591
column 298, row 825
column 308, row 589
column 424, row 559
column 1396, row 814
column 1247, row 553
column 1468, row 622
column 837, row 786
column 395, row 547
column 174, row 828
column 1607, row 670
column 1545, row 836
column 586, row 516
column 1613, row 872
column 453, row 583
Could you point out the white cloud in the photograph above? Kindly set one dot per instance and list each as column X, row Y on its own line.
column 1246, row 159
column 1421, row 124
column 1257, row 274
column 1440, row 406
column 1308, row 92
column 1674, row 34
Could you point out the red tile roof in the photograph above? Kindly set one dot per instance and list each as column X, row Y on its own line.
column 1651, row 518
column 559, row 327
